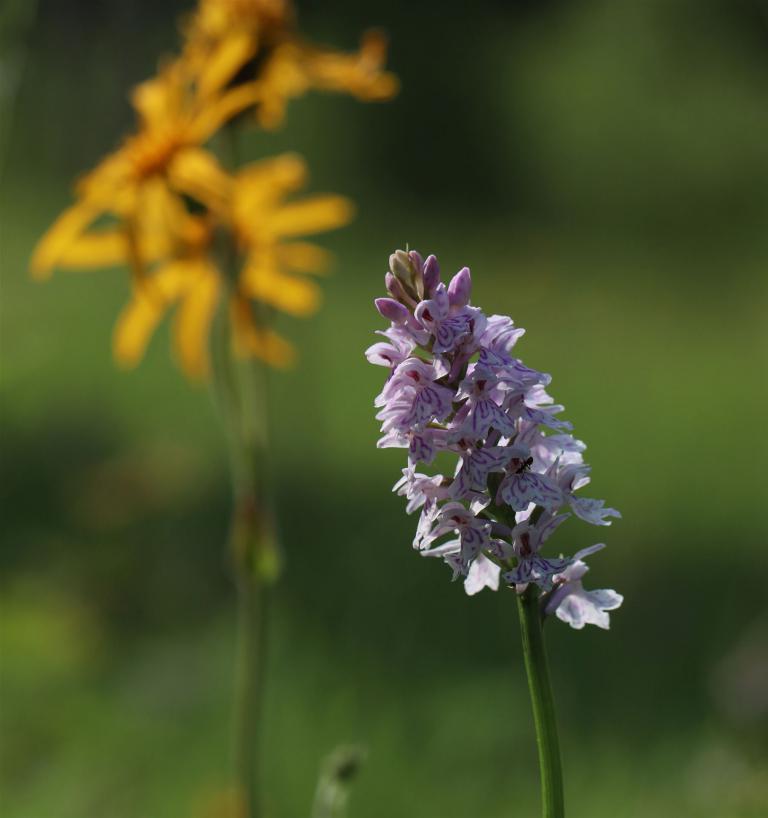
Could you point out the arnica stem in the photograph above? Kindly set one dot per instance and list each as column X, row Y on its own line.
column 254, row 554
column 242, row 392
column 543, row 704
column 253, row 606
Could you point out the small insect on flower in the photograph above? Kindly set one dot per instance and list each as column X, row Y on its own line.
column 455, row 385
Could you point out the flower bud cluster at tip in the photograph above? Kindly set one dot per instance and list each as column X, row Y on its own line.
column 454, row 386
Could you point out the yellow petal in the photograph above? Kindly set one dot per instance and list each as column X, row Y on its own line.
column 159, row 100
column 252, row 341
column 261, row 184
column 197, row 173
column 282, row 174
column 153, row 225
column 359, row 74
column 151, row 298
column 134, row 327
column 60, row 236
column 291, row 294
column 95, row 249
column 221, row 109
column 227, row 58
column 193, row 322
column 312, row 214
column 303, row 257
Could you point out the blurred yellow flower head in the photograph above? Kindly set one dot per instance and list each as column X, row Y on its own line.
column 270, row 267
column 168, row 201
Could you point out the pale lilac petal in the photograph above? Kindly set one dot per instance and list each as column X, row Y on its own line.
column 392, row 310
column 483, row 573
column 593, row 511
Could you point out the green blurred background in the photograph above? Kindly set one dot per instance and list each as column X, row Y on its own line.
column 603, row 168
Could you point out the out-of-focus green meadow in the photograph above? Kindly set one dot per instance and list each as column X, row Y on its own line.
column 603, row 168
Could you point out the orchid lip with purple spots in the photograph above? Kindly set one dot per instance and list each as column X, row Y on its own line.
column 455, row 388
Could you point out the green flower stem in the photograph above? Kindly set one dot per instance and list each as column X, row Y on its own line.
column 542, row 703
column 241, row 388
column 253, row 601
column 241, row 394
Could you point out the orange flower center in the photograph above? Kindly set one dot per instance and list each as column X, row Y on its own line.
column 150, row 152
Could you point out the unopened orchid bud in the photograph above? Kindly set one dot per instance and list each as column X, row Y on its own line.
column 400, row 266
column 407, row 273
column 416, row 260
column 460, row 288
column 431, row 275
column 395, row 289
column 392, row 310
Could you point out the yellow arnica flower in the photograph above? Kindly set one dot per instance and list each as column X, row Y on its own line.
column 168, row 202
column 255, row 42
column 268, row 271
column 143, row 181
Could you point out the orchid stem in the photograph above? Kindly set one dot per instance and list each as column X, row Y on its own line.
column 542, row 703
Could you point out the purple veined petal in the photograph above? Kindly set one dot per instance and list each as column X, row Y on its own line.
column 421, row 448
column 519, row 376
column 502, row 421
column 431, row 402
column 518, row 490
column 544, row 417
column 481, row 462
column 499, row 337
column 593, row 511
column 501, row 549
column 460, row 288
column 479, row 418
column 461, row 485
column 483, row 573
column 449, row 331
column 472, row 542
column 536, row 569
